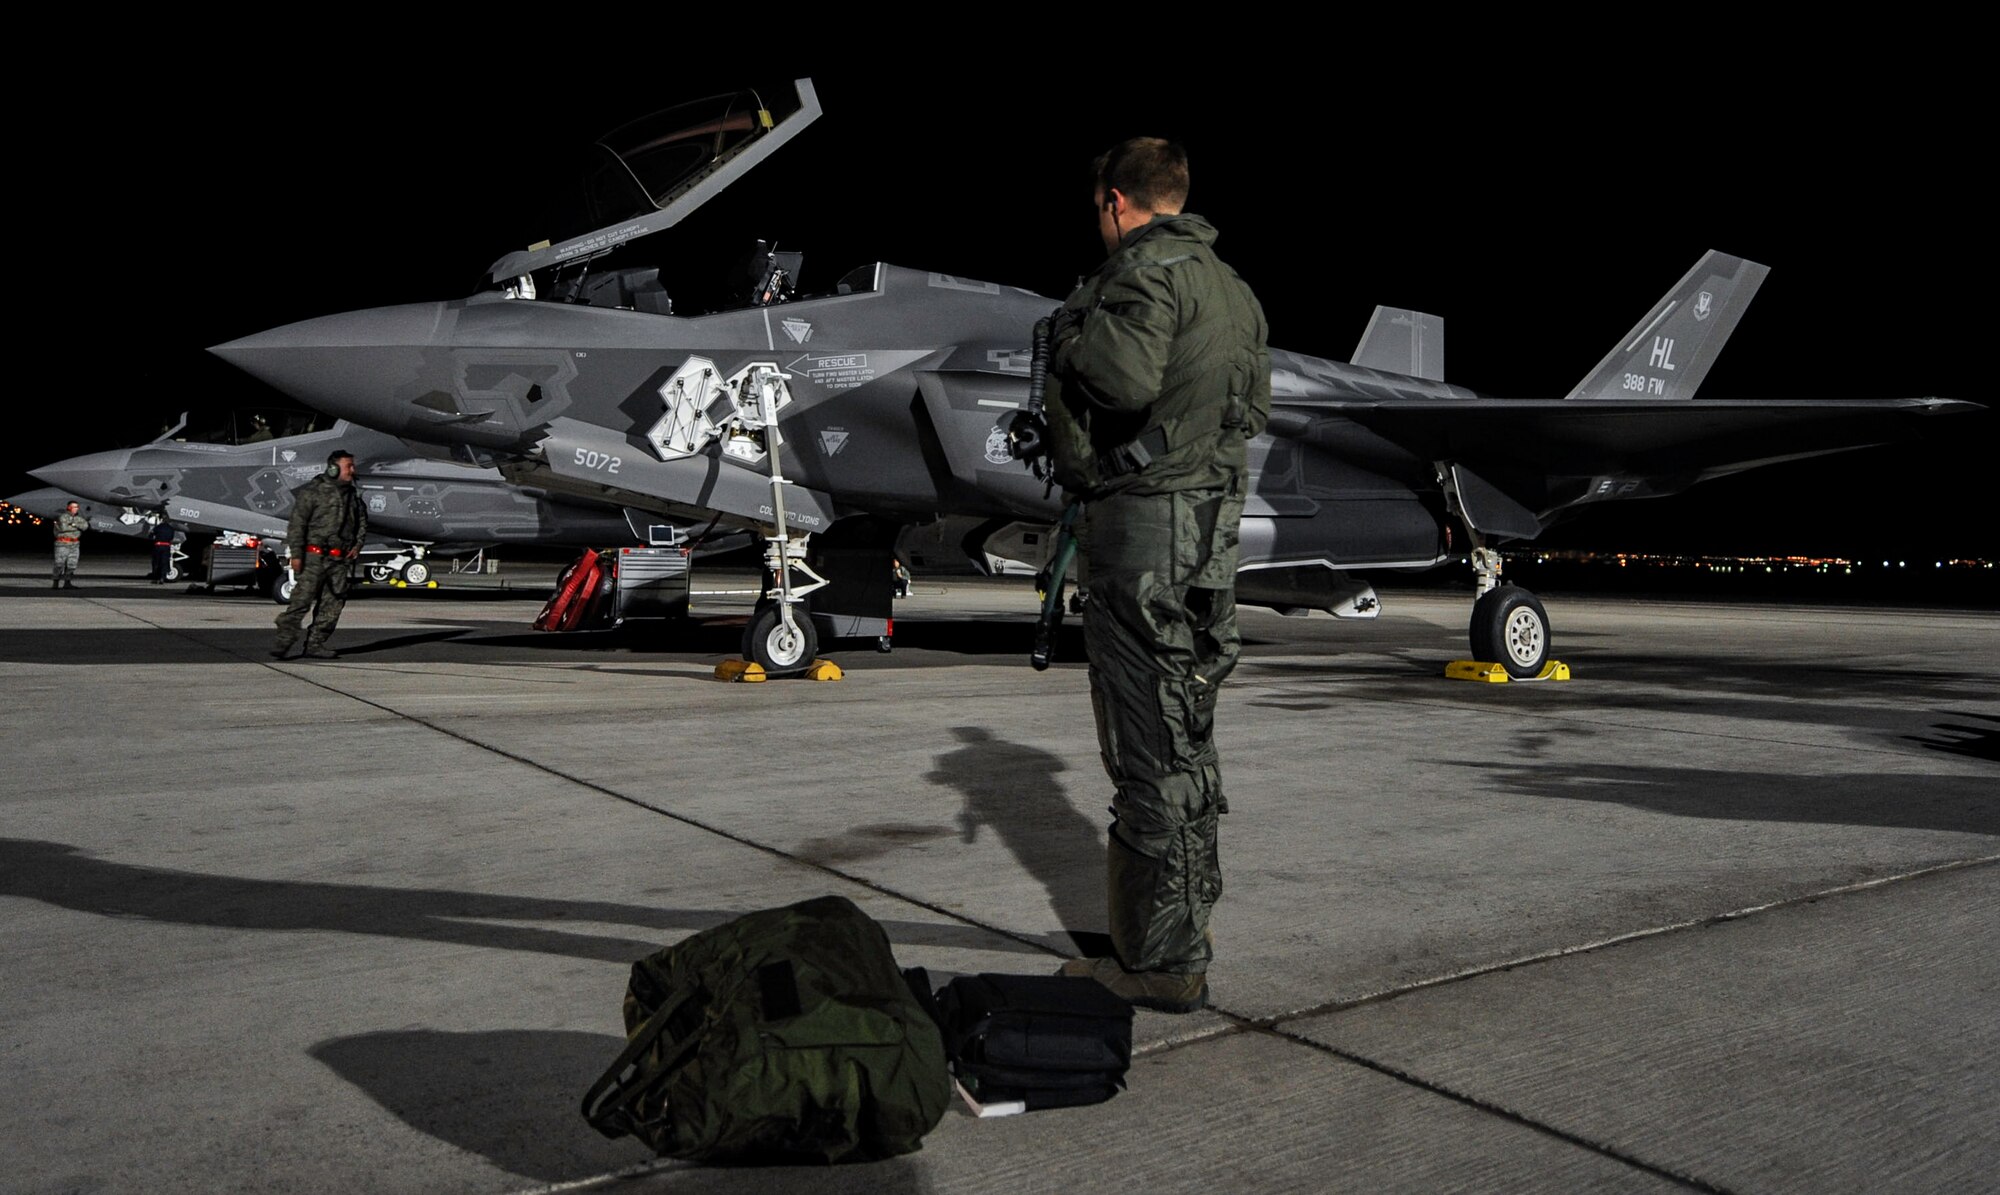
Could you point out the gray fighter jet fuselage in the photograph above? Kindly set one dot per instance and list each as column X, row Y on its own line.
column 411, row 499
column 105, row 517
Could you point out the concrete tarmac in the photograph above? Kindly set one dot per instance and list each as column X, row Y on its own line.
column 1721, row 913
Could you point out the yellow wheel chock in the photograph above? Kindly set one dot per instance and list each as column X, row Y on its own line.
column 1496, row 674
column 751, row 672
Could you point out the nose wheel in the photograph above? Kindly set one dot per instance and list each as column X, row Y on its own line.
column 780, row 646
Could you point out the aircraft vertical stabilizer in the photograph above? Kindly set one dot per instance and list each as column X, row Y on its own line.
column 1398, row 340
column 1667, row 353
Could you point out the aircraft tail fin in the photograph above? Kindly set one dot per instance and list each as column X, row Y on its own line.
column 1398, row 340
column 1667, row 353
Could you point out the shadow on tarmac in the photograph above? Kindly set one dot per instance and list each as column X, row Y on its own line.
column 1880, row 702
column 59, row 874
column 1980, row 742
column 509, row 1095
column 1965, row 804
column 1012, row 789
column 513, row 1096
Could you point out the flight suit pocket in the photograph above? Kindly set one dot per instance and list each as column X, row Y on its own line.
column 1125, row 537
column 1207, row 852
column 1194, row 865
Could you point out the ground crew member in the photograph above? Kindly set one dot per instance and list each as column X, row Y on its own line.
column 326, row 531
column 69, row 528
column 165, row 536
column 1159, row 377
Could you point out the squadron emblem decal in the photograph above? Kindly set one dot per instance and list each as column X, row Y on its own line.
column 996, row 446
column 799, row 330
column 1703, row 304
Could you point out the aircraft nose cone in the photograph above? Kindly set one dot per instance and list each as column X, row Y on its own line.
column 99, row 476
column 42, row 503
column 364, row 365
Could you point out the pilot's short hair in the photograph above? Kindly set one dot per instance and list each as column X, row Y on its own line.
column 1150, row 171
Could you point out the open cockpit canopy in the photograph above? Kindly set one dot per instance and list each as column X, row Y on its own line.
column 649, row 174
column 239, row 425
column 643, row 166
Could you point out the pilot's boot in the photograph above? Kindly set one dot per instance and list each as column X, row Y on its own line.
column 1162, row 991
column 320, row 651
column 55, row 583
column 69, row 583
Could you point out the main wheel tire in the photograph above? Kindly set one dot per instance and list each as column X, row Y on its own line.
column 281, row 589
column 380, row 573
column 416, row 572
column 1510, row 628
column 779, row 649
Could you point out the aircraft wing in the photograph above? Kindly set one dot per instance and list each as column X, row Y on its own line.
column 1594, row 435
column 1545, row 455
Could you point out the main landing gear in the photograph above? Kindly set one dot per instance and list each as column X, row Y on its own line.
column 1510, row 630
column 1509, row 626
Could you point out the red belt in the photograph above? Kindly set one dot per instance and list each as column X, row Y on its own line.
column 328, row 551
column 65, row 539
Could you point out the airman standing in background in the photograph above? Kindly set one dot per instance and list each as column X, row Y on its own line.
column 328, row 526
column 69, row 528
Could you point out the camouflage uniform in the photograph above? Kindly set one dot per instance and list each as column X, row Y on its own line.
column 69, row 529
column 1160, row 375
column 327, row 515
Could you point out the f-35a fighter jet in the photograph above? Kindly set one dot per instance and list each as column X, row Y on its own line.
column 105, row 518
column 238, row 477
column 826, row 421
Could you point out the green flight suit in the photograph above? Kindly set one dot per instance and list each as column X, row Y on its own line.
column 1159, row 377
column 69, row 529
column 329, row 516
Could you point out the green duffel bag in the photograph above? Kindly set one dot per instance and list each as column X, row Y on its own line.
column 786, row 1035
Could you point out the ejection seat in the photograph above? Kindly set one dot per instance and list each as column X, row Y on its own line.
column 634, row 289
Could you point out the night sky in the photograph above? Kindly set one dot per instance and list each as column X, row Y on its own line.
column 1540, row 207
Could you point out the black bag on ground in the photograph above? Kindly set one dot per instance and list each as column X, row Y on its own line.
column 1053, row 1041
column 784, row 1035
